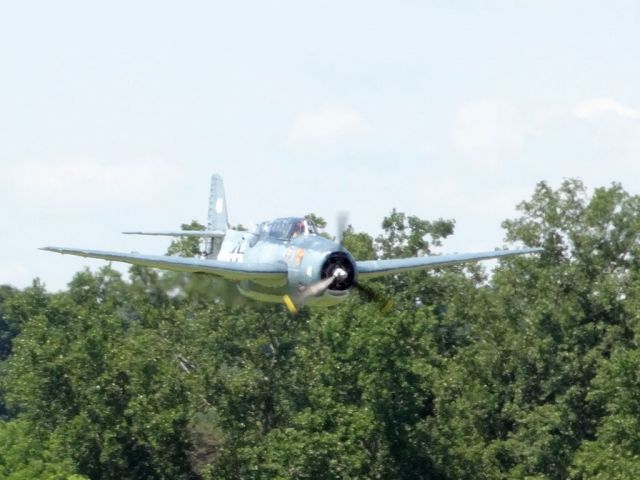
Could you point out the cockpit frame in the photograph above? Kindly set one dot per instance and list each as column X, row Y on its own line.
column 287, row 228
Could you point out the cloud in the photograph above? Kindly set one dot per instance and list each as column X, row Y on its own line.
column 488, row 130
column 83, row 183
column 595, row 107
column 615, row 130
column 325, row 126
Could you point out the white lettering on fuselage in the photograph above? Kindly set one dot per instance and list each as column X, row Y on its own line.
column 234, row 255
column 231, row 257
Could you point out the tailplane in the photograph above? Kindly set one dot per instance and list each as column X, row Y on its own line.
column 217, row 222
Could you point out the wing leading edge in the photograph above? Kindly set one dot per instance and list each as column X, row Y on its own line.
column 377, row 268
column 235, row 271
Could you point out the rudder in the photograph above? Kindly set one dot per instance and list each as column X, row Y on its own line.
column 217, row 216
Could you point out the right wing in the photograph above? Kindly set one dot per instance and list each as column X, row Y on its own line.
column 377, row 268
column 235, row 271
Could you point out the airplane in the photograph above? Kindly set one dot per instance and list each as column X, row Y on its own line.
column 285, row 260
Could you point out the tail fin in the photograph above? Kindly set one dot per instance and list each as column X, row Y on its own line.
column 217, row 217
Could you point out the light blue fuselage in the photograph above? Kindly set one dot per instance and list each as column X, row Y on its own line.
column 309, row 258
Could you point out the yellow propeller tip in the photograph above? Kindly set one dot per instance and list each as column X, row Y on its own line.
column 289, row 304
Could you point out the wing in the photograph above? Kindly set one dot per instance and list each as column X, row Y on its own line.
column 264, row 272
column 376, row 268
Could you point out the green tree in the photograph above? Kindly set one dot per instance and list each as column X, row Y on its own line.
column 519, row 394
column 94, row 372
column 9, row 328
column 187, row 246
column 317, row 220
column 528, row 372
column 406, row 236
column 360, row 244
column 25, row 456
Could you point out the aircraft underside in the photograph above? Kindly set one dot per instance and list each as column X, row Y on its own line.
column 275, row 294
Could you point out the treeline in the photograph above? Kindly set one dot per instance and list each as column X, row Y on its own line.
column 532, row 372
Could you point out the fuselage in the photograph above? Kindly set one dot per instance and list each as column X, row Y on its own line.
column 309, row 258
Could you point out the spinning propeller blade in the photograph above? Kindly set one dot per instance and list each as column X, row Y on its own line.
column 318, row 288
column 313, row 290
column 341, row 226
column 371, row 295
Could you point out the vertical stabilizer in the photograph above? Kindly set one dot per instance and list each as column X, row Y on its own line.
column 217, row 216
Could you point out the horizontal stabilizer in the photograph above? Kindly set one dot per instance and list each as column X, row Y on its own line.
column 184, row 233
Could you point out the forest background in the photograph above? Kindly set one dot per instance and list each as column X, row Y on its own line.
column 530, row 371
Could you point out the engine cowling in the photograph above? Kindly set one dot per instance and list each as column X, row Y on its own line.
column 341, row 266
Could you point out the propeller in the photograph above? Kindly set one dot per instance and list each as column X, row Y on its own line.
column 313, row 290
column 337, row 273
column 370, row 295
column 341, row 226
column 384, row 303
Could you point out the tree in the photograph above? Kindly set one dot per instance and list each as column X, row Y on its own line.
column 317, row 220
column 25, row 456
column 8, row 327
column 187, row 246
column 520, row 392
column 528, row 372
column 406, row 236
column 360, row 244
column 94, row 373
column 615, row 451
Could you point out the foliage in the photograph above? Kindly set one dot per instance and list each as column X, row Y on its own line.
column 187, row 246
column 528, row 372
column 24, row 455
column 317, row 220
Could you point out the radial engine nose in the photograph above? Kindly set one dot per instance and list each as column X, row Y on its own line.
column 341, row 267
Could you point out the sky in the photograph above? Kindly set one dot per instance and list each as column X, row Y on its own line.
column 113, row 115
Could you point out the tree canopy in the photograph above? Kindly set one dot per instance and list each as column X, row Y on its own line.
column 529, row 371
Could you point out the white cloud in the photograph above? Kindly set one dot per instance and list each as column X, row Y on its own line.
column 83, row 183
column 488, row 130
column 614, row 129
column 327, row 125
column 595, row 107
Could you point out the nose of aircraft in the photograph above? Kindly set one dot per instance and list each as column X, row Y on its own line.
column 341, row 267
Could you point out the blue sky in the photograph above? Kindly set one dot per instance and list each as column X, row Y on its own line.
column 113, row 116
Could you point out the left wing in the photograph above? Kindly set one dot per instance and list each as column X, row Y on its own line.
column 235, row 271
column 376, row 268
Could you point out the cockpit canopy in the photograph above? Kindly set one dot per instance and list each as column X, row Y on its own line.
column 288, row 228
